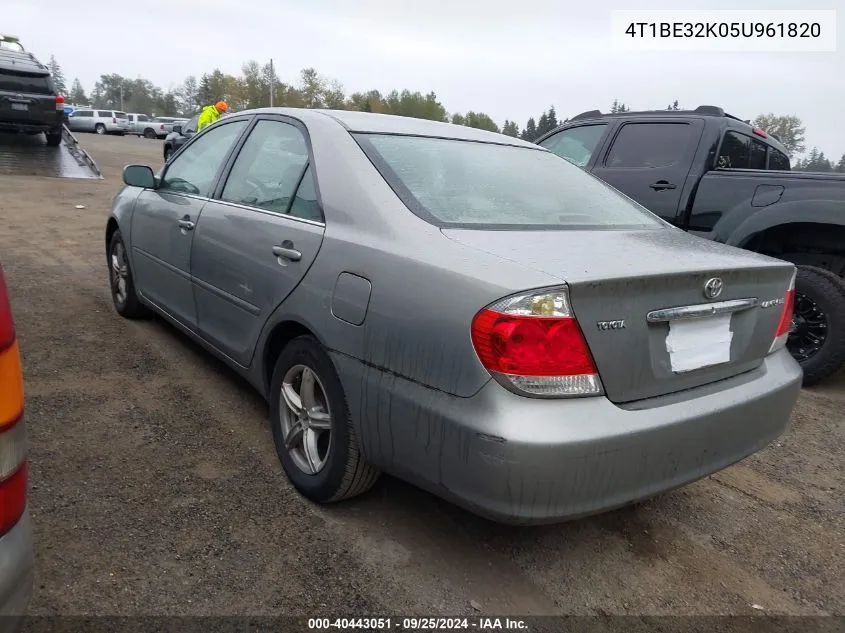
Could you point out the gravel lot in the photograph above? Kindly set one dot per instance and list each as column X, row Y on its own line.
column 156, row 488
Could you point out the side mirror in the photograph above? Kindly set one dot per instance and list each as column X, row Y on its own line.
column 177, row 129
column 139, row 176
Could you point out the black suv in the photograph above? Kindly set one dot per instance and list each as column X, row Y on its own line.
column 28, row 99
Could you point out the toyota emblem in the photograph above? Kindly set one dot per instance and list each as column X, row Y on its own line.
column 713, row 288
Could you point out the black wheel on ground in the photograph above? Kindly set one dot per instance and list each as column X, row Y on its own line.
column 121, row 282
column 817, row 337
column 54, row 139
column 149, row 133
column 312, row 430
column 168, row 152
column 100, row 128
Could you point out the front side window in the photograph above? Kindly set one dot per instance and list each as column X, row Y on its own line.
column 576, row 144
column 268, row 167
column 194, row 169
column 650, row 145
column 465, row 184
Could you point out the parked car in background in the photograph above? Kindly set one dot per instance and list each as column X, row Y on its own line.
column 180, row 135
column 164, row 125
column 459, row 308
column 722, row 179
column 98, row 121
column 142, row 125
column 16, row 542
column 29, row 102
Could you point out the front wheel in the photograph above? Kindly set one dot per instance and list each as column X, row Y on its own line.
column 817, row 335
column 312, row 430
column 100, row 128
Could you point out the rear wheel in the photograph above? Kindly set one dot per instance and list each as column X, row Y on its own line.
column 121, row 282
column 149, row 133
column 312, row 430
column 168, row 152
column 100, row 128
column 817, row 335
column 54, row 139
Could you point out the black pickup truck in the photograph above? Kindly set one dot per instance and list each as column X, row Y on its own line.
column 720, row 178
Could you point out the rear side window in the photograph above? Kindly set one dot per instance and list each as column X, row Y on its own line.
column 465, row 184
column 649, row 145
column 25, row 83
column 740, row 151
column 104, row 114
column 778, row 160
column 83, row 113
column 575, row 144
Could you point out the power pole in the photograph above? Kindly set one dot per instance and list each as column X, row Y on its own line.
column 121, row 96
column 272, row 82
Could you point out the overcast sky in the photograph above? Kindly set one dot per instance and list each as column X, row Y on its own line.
column 509, row 59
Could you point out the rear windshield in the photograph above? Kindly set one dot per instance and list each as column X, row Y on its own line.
column 22, row 82
column 120, row 115
column 465, row 184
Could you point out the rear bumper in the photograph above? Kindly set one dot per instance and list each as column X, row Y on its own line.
column 14, row 126
column 16, row 573
column 524, row 460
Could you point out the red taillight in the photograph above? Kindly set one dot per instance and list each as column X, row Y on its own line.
column 60, row 102
column 786, row 315
column 12, row 431
column 534, row 343
column 785, row 322
column 114, row 120
column 12, row 498
column 760, row 132
column 161, row 127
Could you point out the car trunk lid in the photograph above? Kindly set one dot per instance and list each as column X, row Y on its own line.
column 26, row 97
column 626, row 288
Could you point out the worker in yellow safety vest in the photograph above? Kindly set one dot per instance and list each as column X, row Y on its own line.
column 210, row 114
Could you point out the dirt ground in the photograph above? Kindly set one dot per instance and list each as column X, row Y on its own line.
column 156, row 488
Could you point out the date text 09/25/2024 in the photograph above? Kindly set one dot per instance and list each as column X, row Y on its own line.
column 417, row 624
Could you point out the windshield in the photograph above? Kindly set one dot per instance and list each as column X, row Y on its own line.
column 467, row 184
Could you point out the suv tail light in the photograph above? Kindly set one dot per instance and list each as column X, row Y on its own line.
column 13, row 468
column 60, row 102
column 785, row 322
column 114, row 119
column 532, row 345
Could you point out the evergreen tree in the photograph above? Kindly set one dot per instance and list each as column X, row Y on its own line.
column 58, row 76
column 511, row 129
column 77, row 93
column 530, row 131
column 552, row 116
column 617, row 107
column 542, row 125
column 840, row 166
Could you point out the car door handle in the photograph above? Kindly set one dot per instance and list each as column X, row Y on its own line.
column 288, row 253
column 186, row 224
column 662, row 185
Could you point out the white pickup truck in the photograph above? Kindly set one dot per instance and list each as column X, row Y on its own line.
column 142, row 125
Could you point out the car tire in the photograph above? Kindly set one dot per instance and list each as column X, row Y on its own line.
column 168, row 152
column 342, row 471
column 54, row 139
column 149, row 133
column 100, row 128
column 819, row 309
column 124, row 297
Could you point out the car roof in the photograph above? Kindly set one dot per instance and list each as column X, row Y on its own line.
column 355, row 121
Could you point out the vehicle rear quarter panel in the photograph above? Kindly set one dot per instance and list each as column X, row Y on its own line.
column 425, row 288
column 738, row 204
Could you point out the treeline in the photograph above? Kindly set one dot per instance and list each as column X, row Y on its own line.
column 252, row 88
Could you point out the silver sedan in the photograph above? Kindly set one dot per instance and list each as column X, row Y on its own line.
column 457, row 308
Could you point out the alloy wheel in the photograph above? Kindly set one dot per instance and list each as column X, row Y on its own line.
column 808, row 331
column 306, row 419
column 119, row 272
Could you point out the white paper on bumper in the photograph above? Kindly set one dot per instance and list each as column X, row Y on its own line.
column 696, row 343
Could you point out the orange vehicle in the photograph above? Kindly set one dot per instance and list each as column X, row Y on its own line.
column 16, row 546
